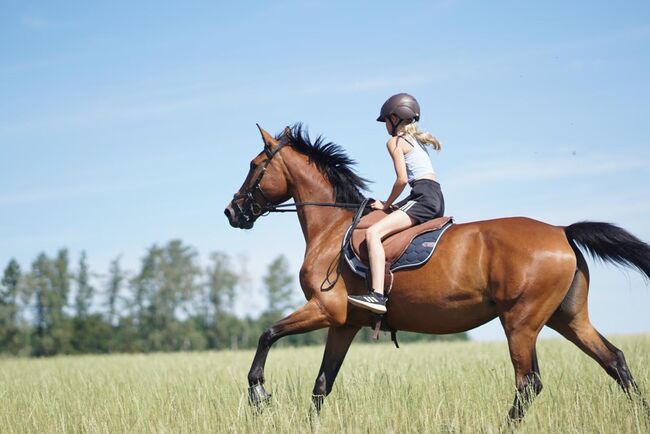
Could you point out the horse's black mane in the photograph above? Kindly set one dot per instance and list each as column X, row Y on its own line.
column 332, row 160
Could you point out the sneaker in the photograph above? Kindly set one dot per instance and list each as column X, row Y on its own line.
column 373, row 301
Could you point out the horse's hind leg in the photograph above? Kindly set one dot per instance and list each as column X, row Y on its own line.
column 584, row 335
column 308, row 318
column 571, row 320
column 581, row 332
column 338, row 342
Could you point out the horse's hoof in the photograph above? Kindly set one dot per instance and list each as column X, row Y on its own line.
column 258, row 396
column 317, row 400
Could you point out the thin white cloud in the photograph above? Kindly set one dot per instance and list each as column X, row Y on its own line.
column 511, row 171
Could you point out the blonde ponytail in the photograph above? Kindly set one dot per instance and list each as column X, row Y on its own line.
column 424, row 138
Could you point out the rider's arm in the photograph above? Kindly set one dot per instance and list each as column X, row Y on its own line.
column 400, row 170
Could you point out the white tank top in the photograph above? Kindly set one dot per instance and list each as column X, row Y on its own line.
column 418, row 162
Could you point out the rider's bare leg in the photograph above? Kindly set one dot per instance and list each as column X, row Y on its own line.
column 394, row 222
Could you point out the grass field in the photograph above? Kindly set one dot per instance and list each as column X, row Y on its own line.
column 421, row 387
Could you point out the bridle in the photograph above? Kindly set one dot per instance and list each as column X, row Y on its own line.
column 250, row 204
column 250, row 209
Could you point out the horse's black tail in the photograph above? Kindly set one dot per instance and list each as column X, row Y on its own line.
column 611, row 243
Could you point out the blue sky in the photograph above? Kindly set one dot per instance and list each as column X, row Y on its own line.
column 130, row 123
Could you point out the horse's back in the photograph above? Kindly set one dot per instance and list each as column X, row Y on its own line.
column 520, row 238
column 514, row 245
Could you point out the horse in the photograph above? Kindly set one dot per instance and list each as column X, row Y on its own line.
column 527, row 273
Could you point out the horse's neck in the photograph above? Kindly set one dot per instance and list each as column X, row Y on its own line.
column 317, row 222
column 322, row 226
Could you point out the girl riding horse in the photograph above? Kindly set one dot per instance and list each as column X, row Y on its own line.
column 406, row 147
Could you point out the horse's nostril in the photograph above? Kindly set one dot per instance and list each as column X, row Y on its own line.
column 230, row 215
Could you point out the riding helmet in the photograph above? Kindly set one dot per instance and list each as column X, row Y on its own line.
column 403, row 105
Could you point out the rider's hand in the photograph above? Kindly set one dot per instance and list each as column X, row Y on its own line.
column 377, row 205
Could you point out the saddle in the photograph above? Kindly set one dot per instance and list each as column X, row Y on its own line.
column 409, row 248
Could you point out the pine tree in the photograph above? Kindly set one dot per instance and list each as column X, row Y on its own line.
column 116, row 278
column 9, row 290
column 60, row 324
column 85, row 291
column 40, row 284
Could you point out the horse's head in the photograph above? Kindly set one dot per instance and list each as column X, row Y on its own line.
column 265, row 185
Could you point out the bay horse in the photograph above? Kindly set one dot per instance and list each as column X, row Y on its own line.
column 525, row 272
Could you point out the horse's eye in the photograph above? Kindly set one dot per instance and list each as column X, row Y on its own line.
column 253, row 166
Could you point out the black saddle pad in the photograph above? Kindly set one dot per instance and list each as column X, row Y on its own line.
column 417, row 253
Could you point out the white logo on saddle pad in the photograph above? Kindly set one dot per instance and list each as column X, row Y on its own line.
column 429, row 244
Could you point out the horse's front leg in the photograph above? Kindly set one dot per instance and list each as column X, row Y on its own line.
column 308, row 318
column 338, row 342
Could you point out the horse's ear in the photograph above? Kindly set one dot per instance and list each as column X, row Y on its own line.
column 287, row 133
column 268, row 139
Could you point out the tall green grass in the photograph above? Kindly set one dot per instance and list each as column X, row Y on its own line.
column 421, row 387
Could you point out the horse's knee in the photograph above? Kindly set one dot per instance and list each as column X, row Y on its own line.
column 267, row 338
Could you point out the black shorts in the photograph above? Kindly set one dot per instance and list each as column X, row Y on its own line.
column 425, row 202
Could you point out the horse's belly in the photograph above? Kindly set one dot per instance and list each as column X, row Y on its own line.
column 441, row 317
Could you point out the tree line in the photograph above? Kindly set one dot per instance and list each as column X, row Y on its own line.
column 172, row 303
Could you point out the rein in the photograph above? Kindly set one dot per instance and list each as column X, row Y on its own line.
column 277, row 208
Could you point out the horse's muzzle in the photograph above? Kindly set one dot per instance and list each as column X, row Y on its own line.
column 236, row 218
